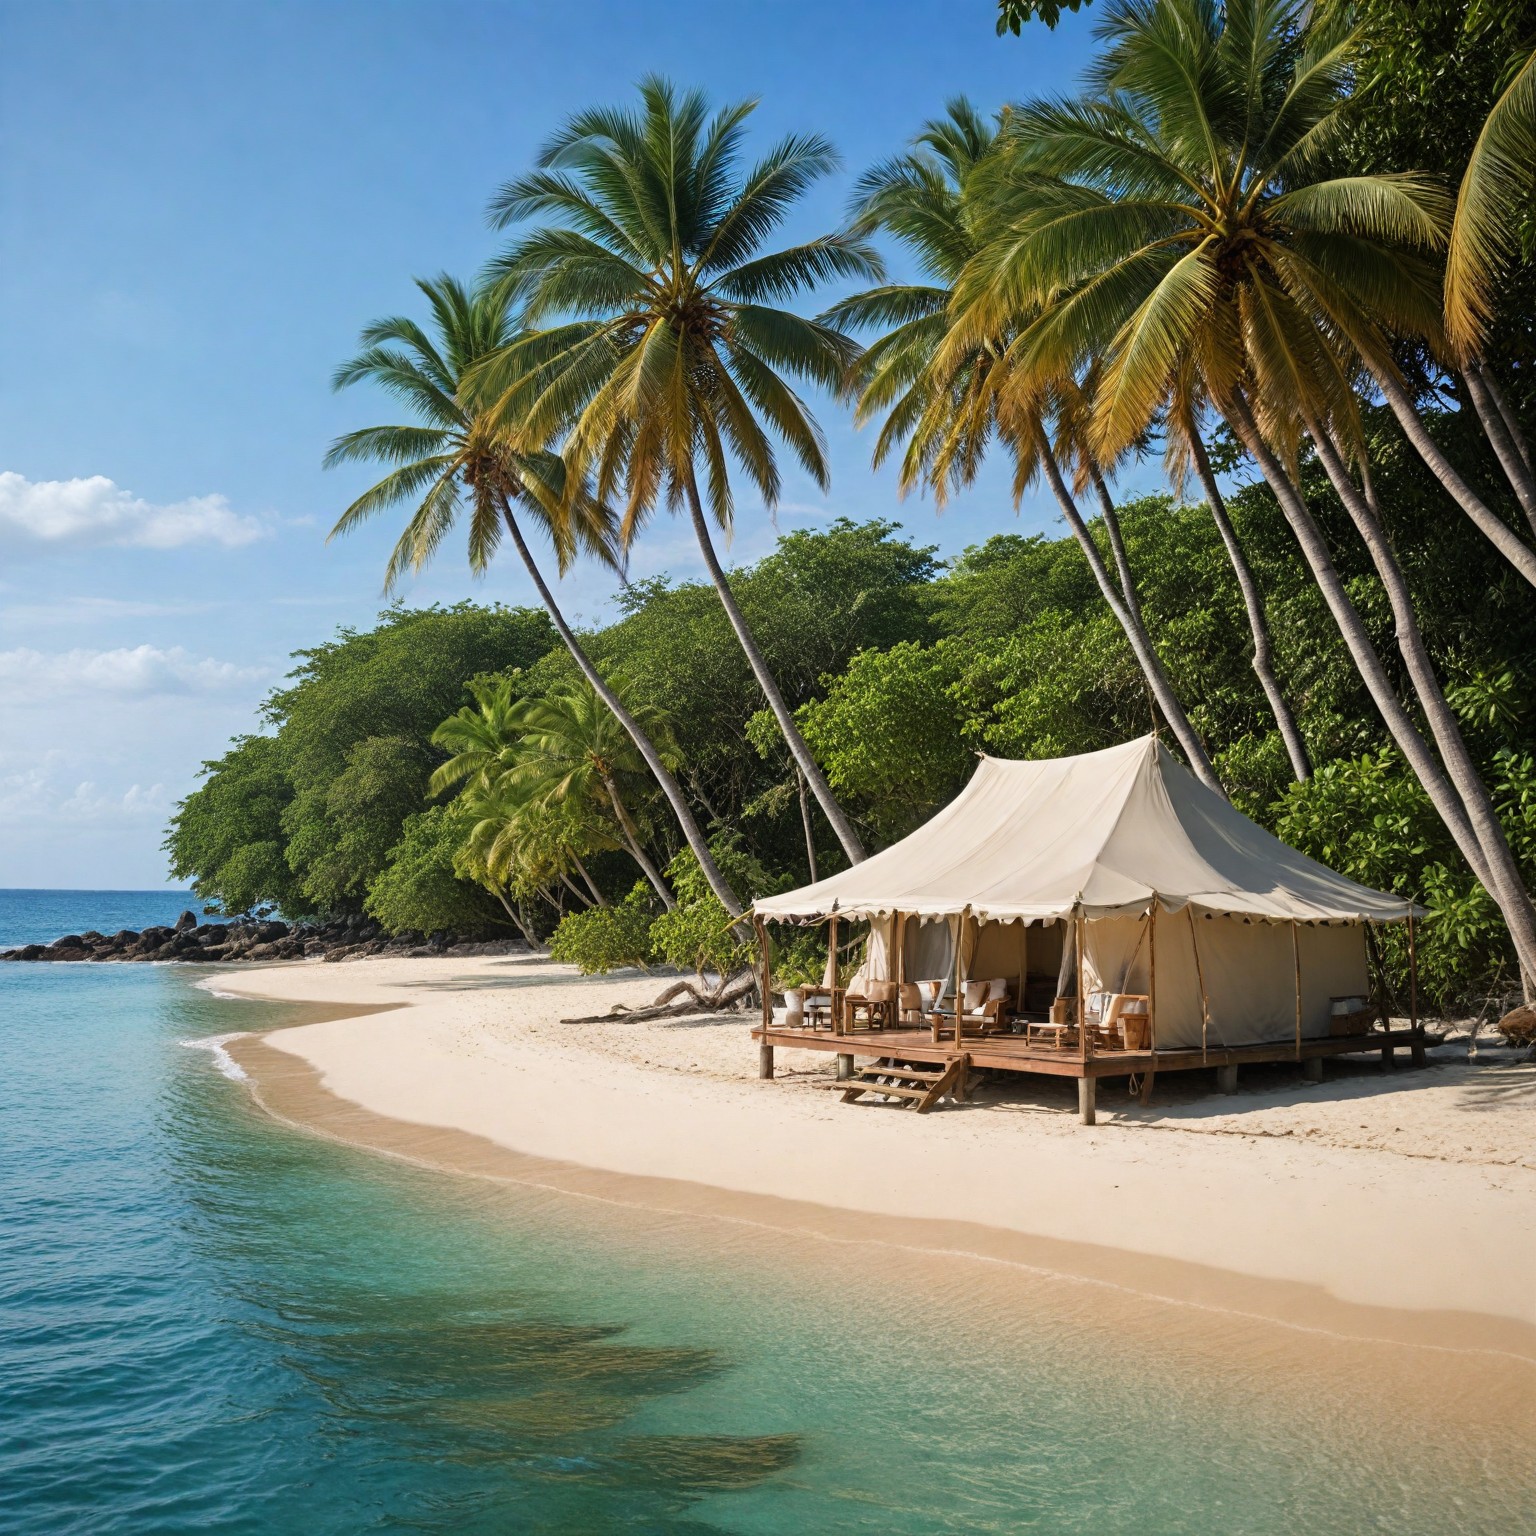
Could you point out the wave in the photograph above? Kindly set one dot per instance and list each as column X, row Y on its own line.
column 215, row 1044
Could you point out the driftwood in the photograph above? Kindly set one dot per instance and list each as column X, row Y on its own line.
column 727, row 995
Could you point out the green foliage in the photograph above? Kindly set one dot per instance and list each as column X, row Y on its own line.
column 227, row 836
column 697, row 935
column 1012, row 14
column 305, row 818
column 890, row 737
column 1368, row 818
column 419, row 888
column 608, row 938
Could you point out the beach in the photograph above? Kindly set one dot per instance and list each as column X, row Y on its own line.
column 1373, row 1205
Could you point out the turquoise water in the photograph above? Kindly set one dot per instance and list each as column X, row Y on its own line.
column 212, row 1322
column 40, row 917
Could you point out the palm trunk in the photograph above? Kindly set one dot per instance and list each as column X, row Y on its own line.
column 1506, row 446
column 1141, row 645
column 587, row 879
column 1368, row 664
column 669, row 785
column 1511, row 423
column 1263, row 654
column 1508, row 886
column 1494, row 528
column 515, row 915
column 574, row 889
column 632, row 843
column 805, row 823
column 1128, row 591
column 759, row 664
column 1117, row 544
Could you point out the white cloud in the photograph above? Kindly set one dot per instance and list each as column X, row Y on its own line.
column 34, row 797
column 96, row 510
column 129, row 671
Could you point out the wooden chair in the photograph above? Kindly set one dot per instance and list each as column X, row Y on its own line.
column 985, row 1006
column 1105, row 1011
column 873, row 1006
column 1060, row 1030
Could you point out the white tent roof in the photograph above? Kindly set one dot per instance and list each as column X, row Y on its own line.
column 1110, row 830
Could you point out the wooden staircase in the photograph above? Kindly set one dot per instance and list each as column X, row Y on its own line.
column 915, row 1087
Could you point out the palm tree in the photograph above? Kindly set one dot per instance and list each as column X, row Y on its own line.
column 1226, row 206
column 573, row 752
column 1495, row 194
column 486, row 741
column 1171, row 224
column 454, row 454
column 946, row 418
column 667, row 352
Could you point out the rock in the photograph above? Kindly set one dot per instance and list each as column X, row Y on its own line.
column 186, row 922
column 153, row 936
column 69, row 941
column 90, row 938
column 1518, row 1026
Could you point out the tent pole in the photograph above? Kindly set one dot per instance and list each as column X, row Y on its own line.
column 1151, row 1072
column 959, row 972
column 1413, row 976
column 765, row 1046
column 1296, row 955
column 831, row 976
column 1205, row 1006
column 1082, row 996
column 1023, row 960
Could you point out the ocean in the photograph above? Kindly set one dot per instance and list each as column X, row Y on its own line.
column 39, row 917
column 213, row 1321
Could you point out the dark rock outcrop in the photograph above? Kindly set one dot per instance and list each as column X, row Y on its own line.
column 261, row 940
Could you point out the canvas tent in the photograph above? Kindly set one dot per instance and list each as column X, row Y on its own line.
column 1250, row 939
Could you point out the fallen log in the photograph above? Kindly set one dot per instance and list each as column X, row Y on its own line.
column 728, row 995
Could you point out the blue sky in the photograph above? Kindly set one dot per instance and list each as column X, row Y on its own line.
column 200, row 205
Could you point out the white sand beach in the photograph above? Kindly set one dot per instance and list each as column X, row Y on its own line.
column 1410, row 1191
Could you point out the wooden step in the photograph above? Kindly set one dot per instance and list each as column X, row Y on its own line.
column 891, row 1090
column 862, row 1085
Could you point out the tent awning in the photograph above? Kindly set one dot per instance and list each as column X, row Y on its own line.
column 1107, row 833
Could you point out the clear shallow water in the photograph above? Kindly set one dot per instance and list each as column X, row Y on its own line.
column 209, row 1321
column 40, row 917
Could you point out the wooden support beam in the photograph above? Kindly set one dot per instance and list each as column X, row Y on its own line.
column 1296, row 956
column 844, row 1066
column 1312, row 1069
column 1087, row 1100
column 1226, row 1079
column 765, row 1050
column 1151, row 1072
column 1205, row 1002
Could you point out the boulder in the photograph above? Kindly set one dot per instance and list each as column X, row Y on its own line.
column 69, row 941
column 1518, row 1026
column 186, row 922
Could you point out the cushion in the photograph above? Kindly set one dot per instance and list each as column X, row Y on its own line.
column 976, row 993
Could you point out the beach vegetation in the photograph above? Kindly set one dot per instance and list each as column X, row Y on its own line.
column 1252, row 308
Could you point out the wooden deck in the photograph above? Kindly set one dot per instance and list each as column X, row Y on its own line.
column 1012, row 1053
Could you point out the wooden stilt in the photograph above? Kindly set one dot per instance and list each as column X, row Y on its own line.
column 1205, row 1005
column 1296, row 956
column 844, row 1067
column 1087, row 1099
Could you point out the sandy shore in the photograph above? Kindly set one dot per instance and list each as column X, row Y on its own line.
column 1377, row 1205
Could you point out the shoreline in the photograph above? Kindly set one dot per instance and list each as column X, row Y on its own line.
column 1358, row 1244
